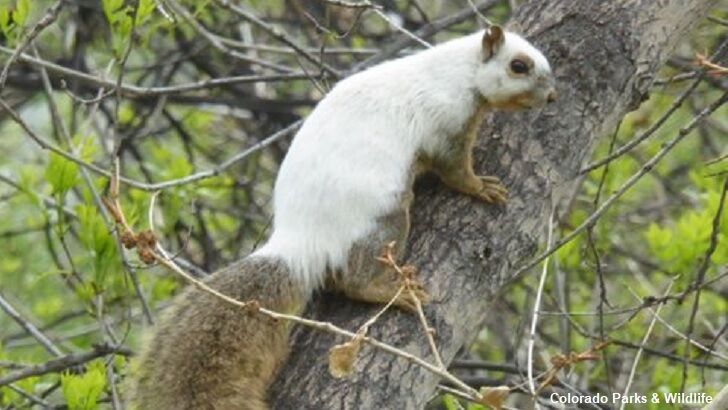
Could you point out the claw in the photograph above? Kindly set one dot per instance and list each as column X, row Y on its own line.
column 492, row 190
column 490, row 179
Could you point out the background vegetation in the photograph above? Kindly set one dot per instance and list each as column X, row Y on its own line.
column 198, row 100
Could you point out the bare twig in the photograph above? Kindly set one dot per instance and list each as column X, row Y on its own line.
column 43, row 143
column 163, row 11
column 63, row 131
column 44, row 341
column 639, row 351
column 677, row 103
column 669, row 356
column 646, row 168
column 279, row 35
column 32, row 398
column 45, row 21
column 64, row 362
column 407, row 274
column 361, row 4
column 537, row 306
column 426, row 31
column 711, row 67
column 214, row 39
column 683, row 336
column 700, row 277
column 134, row 91
column 402, row 30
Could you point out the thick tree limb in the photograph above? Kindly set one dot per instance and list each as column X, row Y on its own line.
column 605, row 56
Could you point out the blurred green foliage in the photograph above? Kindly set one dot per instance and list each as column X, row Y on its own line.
column 62, row 265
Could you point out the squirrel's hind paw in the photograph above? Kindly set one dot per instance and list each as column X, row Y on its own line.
column 405, row 300
column 492, row 190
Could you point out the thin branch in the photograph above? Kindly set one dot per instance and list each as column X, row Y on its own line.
column 403, row 30
column 214, row 39
column 700, row 277
column 29, row 396
column 646, row 168
column 45, row 21
column 537, row 306
column 135, row 91
column 44, row 341
column 666, row 355
column 64, row 362
column 637, row 356
column 63, row 131
column 362, row 4
column 657, row 124
column 48, row 202
column 407, row 274
column 43, row 143
column 163, row 11
column 425, row 31
column 278, row 34
column 681, row 335
column 627, row 147
column 480, row 15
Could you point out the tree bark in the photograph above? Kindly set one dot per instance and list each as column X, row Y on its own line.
column 605, row 55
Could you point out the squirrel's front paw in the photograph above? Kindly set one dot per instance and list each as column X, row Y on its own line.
column 492, row 190
column 405, row 300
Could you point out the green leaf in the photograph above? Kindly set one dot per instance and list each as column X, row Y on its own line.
column 146, row 7
column 85, row 146
column 61, row 173
column 27, row 182
column 86, row 292
column 126, row 114
column 111, row 9
column 5, row 20
column 163, row 288
column 124, row 26
column 450, row 402
column 661, row 243
column 20, row 14
column 82, row 392
column 358, row 42
column 121, row 33
column 569, row 255
column 48, row 307
column 95, row 237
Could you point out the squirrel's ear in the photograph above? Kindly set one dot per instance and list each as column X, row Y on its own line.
column 493, row 39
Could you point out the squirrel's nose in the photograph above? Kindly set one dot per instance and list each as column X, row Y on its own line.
column 552, row 96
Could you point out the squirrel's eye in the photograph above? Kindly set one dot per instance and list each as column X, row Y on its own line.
column 519, row 67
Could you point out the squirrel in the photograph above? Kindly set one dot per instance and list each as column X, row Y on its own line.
column 342, row 193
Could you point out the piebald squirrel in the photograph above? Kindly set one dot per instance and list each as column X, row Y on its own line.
column 342, row 193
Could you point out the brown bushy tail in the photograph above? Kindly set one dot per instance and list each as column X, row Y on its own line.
column 209, row 354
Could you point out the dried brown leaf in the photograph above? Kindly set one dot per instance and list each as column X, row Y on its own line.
column 343, row 357
column 494, row 396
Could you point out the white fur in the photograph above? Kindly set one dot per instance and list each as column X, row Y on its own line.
column 349, row 163
column 496, row 85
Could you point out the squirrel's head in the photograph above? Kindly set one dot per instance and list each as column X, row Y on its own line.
column 513, row 74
